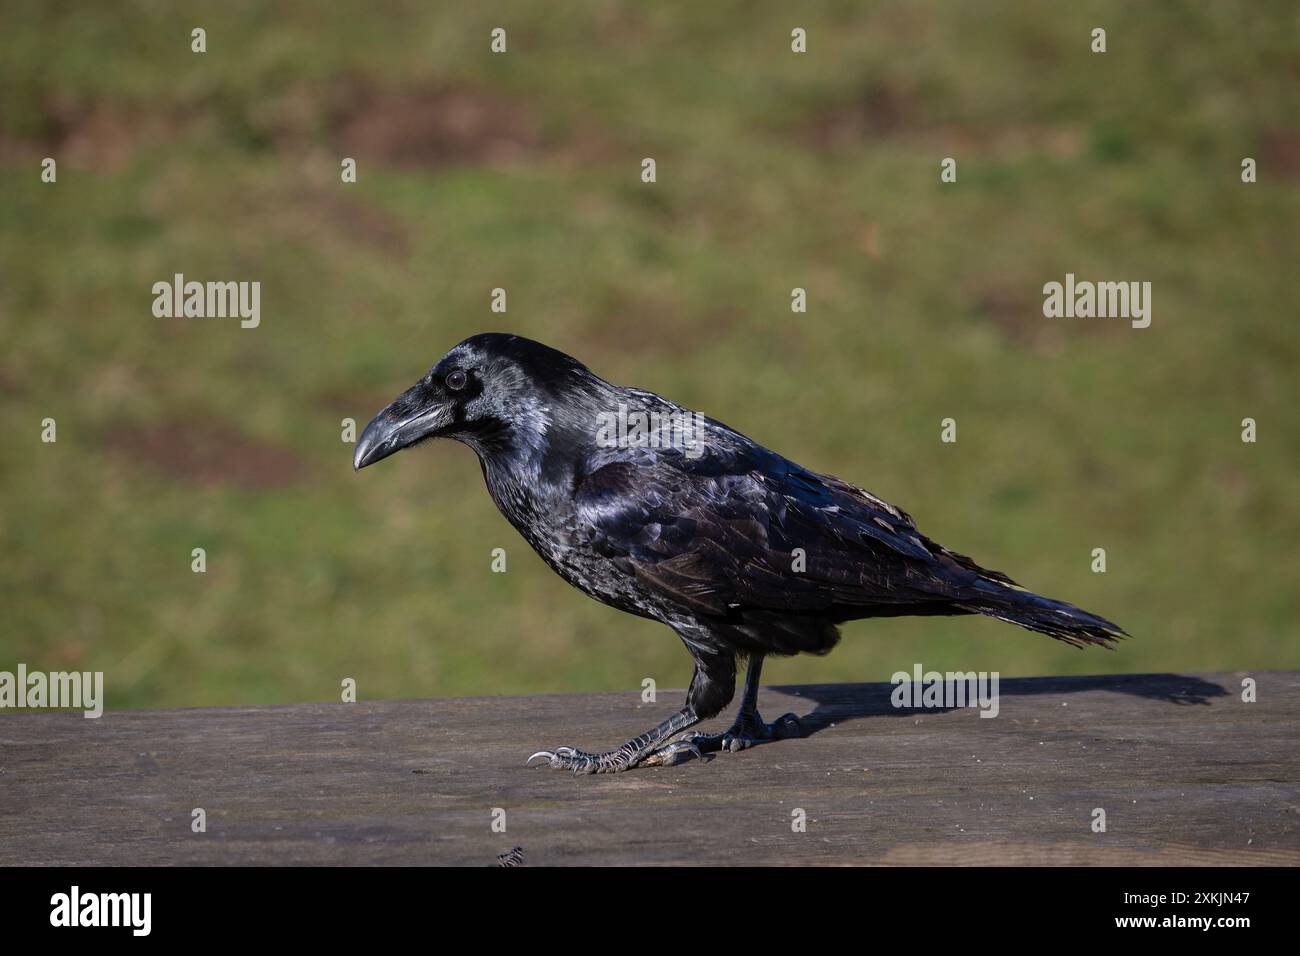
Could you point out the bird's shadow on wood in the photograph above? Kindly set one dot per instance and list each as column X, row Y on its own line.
column 839, row 703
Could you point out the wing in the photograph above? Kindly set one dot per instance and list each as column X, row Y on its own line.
column 741, row 530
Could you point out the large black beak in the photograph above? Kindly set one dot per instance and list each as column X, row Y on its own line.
column 398, row 426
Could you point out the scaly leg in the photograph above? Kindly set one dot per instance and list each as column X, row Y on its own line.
column 626, row 756
column 711, row 689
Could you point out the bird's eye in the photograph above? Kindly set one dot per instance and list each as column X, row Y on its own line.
column 456, row 380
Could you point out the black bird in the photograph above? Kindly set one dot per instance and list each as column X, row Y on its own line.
column 678, row 518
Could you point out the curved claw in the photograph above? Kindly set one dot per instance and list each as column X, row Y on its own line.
column 667, row 756
column 566, row 758
column 681, row 747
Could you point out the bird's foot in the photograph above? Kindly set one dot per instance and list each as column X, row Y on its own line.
column 748, row 730
column 582, row 761
column 652, row 747
column 615, row 761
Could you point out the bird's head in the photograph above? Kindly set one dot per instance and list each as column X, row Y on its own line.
column 494, row 392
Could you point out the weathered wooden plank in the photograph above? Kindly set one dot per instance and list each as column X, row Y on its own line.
column 1186, row 772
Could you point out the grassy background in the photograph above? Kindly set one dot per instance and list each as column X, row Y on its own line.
column 522, row 171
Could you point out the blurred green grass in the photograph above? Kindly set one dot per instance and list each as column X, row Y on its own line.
column 522, row 171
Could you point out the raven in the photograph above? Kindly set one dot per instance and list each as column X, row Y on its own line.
column 742, row 552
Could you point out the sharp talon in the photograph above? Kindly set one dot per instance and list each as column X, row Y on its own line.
column 683, row 747
column 541, row 753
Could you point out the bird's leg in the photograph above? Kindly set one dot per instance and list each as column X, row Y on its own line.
column 711, row 689
column 749, row 727
column 626, row 756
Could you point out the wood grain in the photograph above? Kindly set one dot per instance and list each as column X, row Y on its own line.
column 1186, row 772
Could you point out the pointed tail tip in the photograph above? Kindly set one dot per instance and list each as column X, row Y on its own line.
column 1057, row 619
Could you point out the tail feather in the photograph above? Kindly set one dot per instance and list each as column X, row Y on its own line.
column 1065, row 622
